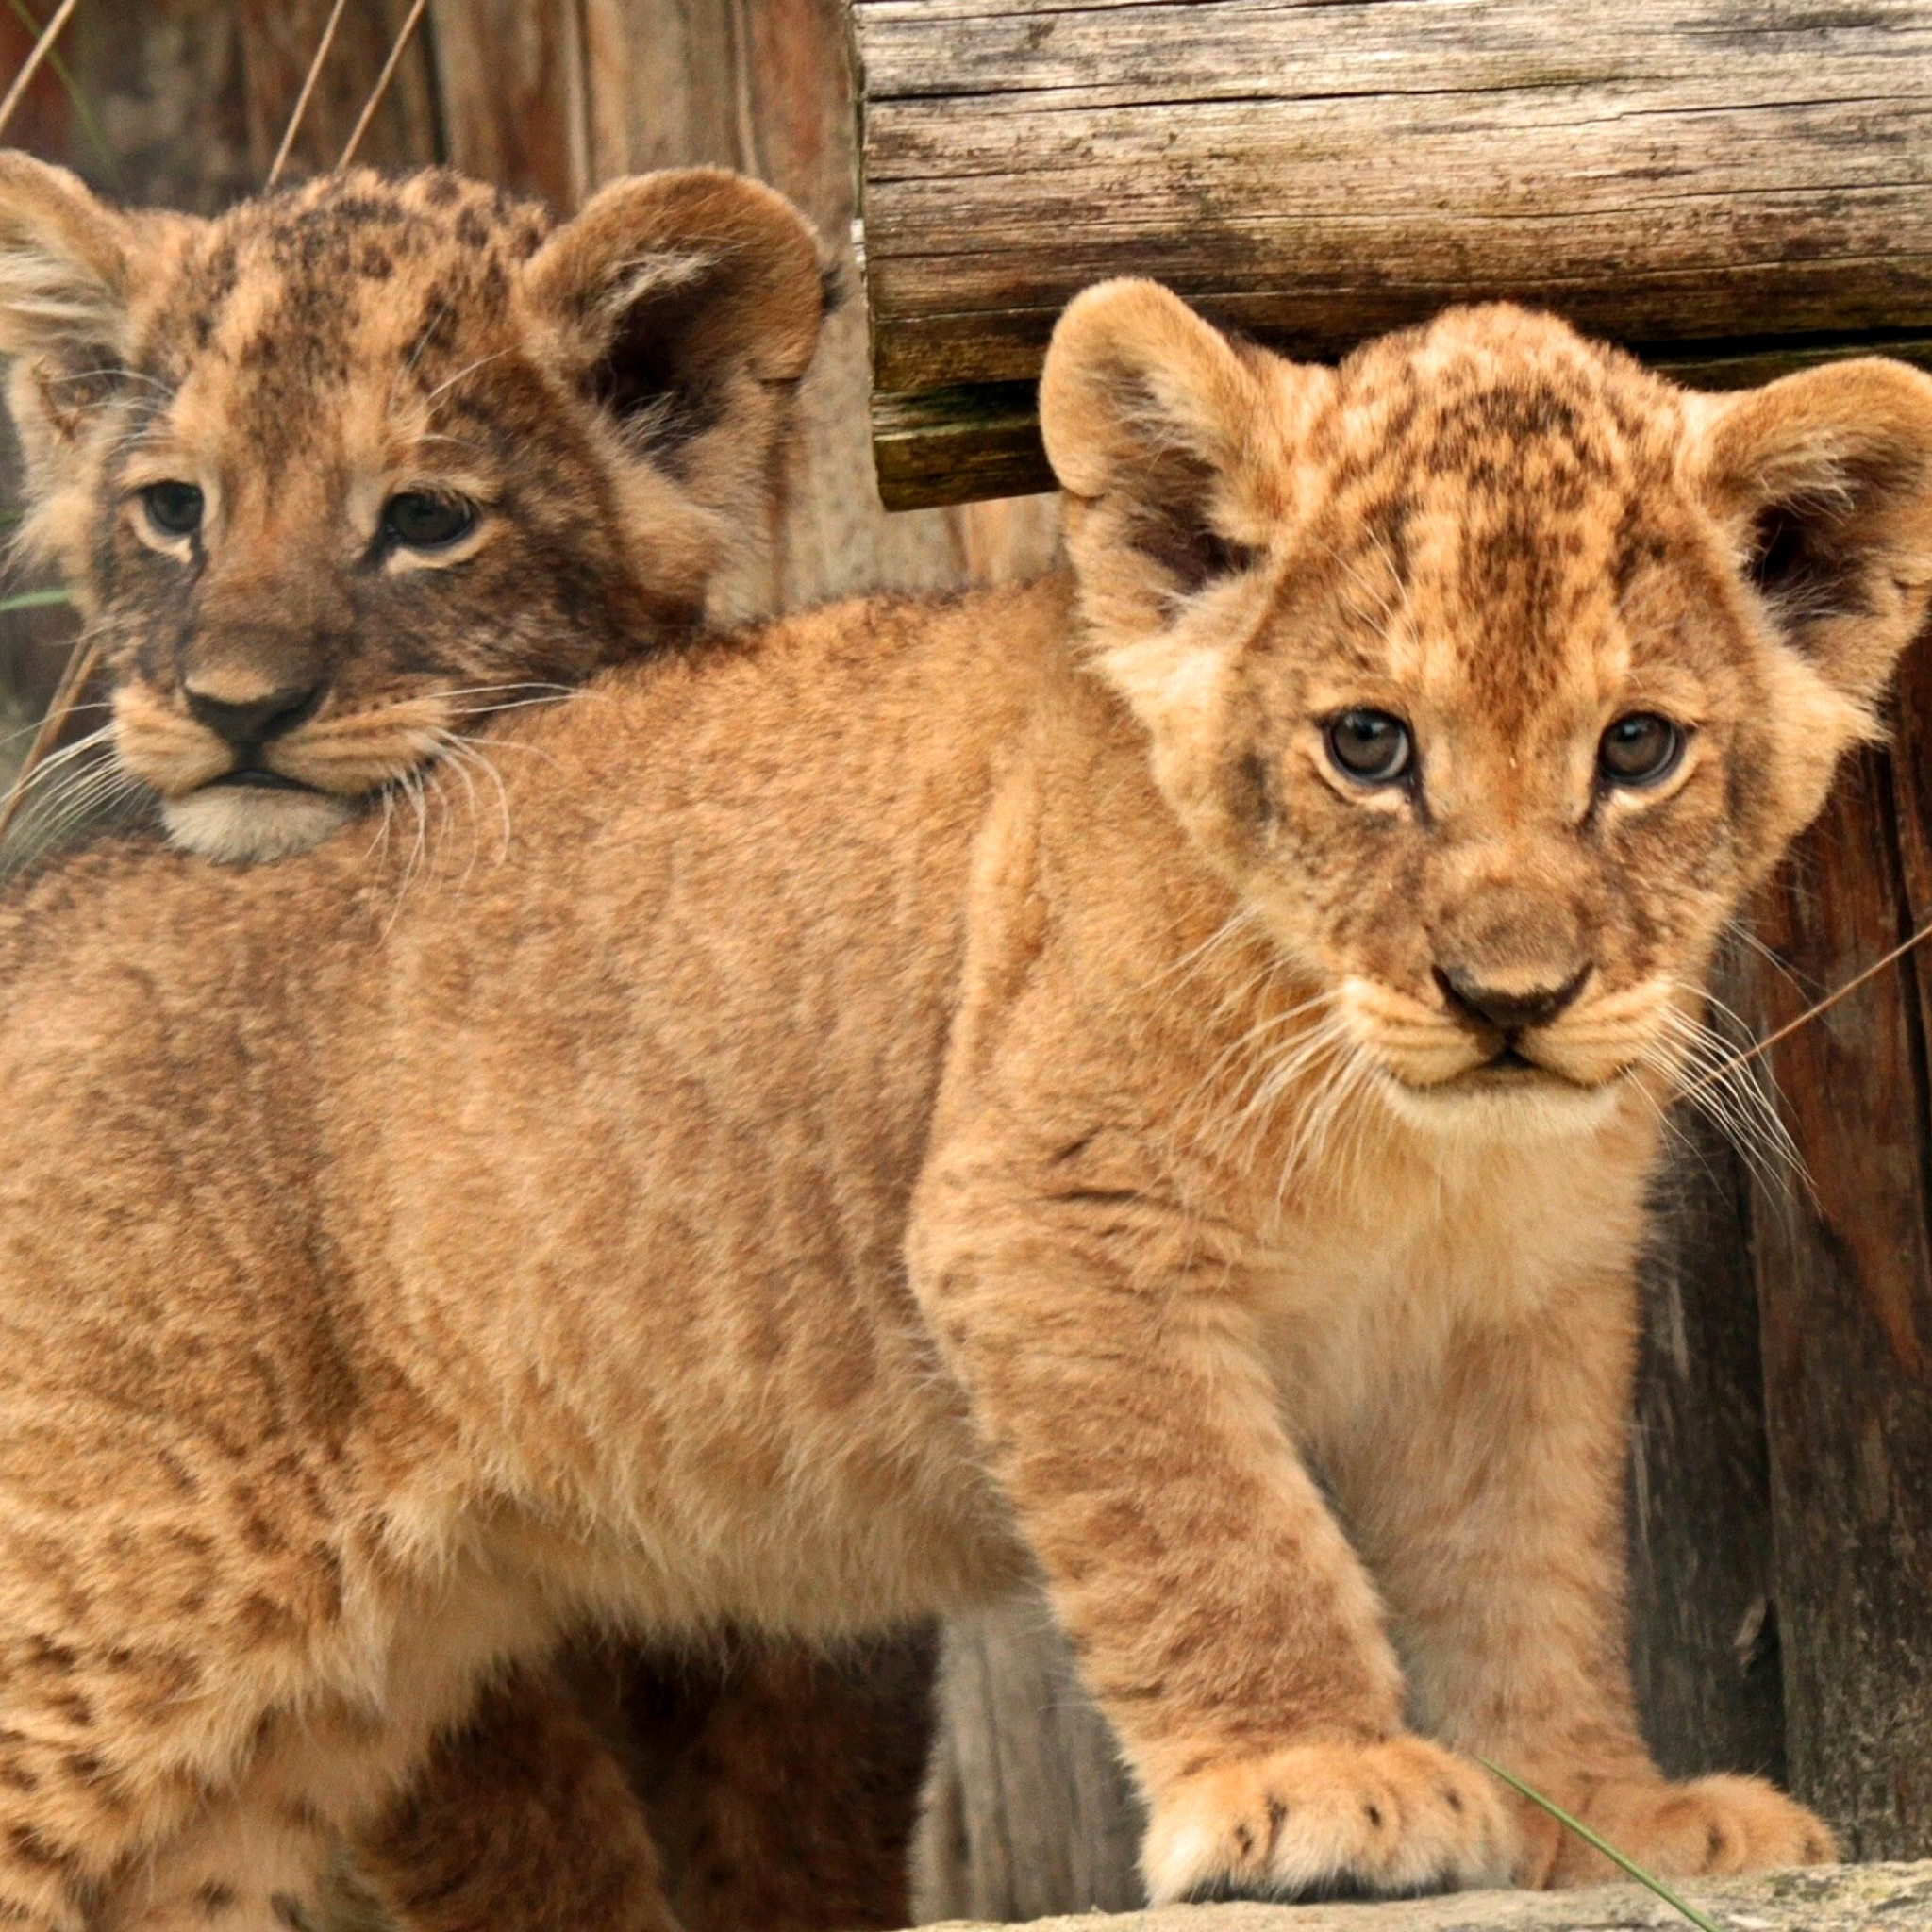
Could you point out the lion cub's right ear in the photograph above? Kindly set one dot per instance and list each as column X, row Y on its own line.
column 1177, row 448
column 68, row 268
column 65, row 265
column 688, row 304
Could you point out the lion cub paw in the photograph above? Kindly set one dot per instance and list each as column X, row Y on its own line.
column 1710, row 1824
column 1330, row 1821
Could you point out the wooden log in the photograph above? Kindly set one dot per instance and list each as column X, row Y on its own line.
column 1694, row 180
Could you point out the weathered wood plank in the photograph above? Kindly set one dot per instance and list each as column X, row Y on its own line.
column 1027, row 1810
column 512, row 82
column 960, row 445
column 1315, row 175
column 1844, row 1281
column 1161, row 51
column 1704, row 1657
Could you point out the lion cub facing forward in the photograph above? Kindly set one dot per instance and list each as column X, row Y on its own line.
column 938, row 1094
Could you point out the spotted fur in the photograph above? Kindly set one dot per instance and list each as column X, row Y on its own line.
column 609, row 396
column 921, row 1110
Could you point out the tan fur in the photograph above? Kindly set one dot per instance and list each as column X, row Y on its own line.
column 941, row 1093
column 611, row 397
column 416, row 315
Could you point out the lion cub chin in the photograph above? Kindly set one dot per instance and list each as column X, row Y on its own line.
column 1147, row 1081
column 344, row 473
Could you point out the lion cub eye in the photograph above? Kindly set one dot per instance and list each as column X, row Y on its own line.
column 1370, row 747
column 173, row 509
column 1639, row 749
column 424, row 520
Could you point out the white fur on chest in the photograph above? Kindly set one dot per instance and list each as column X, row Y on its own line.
column 1433, row 1238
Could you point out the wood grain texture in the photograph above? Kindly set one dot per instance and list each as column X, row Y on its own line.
column 1027, row 1809
column 1662, row 174
column 511, row 78
column 1844, row 1270
column 1705, row 1654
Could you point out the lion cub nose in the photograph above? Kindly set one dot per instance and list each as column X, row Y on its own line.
column 251, row 722
column 1469, row 999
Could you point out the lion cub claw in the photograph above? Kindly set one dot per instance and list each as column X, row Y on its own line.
column 1707, row 1825
column 1372, row 1821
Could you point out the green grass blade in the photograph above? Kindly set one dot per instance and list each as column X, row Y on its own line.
column 34, row 600
column 1609, row 1851
column 83, row 107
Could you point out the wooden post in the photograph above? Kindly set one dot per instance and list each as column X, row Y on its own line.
column 1844, row 1278
column 1704, row 1651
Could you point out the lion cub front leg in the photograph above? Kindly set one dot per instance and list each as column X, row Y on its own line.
column 1489, row 1499
column 1218, row 1612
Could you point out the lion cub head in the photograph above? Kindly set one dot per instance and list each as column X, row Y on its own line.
column 359, row 461
column 1491, row 669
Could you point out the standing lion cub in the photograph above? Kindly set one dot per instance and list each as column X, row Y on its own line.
column 937, row 1095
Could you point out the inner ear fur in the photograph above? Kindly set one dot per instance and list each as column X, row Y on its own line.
column 1170, row 439
column 65, row 264
column 692, row 300
column 1824, row 481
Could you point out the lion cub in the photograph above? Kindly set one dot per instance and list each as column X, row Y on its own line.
column 943, row 1095
column 354, row 466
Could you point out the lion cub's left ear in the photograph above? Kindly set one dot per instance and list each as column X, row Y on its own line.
column 689, row 304
column 1823, row 480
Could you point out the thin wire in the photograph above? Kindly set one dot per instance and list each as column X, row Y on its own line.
column 315, row 66
column 381, row 88
column 31, row 66
column 80, row 666
column 1811, row 1013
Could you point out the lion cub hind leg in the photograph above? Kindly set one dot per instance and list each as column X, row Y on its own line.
column 1333, row 1821
column 245, row 1866
column 522, row 1817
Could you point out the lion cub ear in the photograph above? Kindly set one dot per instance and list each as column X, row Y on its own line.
column 68, row 268
column 689, row 302
column 1173, row 444
column 65, row 264
column 1824, row 481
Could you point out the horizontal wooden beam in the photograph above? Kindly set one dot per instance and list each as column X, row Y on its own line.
column 1664, row 171
column 982, row 440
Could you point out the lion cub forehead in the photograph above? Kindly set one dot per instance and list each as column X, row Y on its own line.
column 1495, row 487
column 299, row 292
column 1501, row 409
